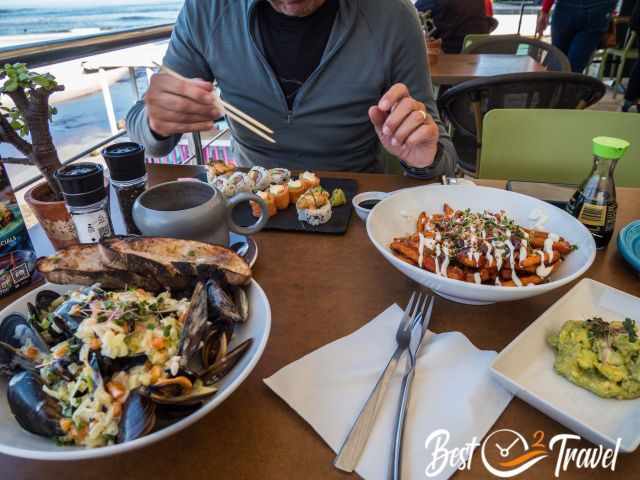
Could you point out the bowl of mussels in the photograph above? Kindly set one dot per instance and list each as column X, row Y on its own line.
column 129, row 342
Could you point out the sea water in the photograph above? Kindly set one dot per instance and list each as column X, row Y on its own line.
column 29, row 17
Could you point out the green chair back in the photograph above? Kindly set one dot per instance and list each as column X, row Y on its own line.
column 555, row 145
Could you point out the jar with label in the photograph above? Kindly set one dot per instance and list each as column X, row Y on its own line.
column 87, row 199
column 128, row 177
column 594, row 203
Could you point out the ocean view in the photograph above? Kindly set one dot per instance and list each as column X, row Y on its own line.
column 83, row 18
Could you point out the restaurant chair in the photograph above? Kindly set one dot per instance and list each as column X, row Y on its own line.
column 556, row 145
column 465, row 104
column 628, row 51
column 544, row 53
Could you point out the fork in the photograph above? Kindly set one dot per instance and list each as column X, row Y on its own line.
column 356, row 440
column 405, row 389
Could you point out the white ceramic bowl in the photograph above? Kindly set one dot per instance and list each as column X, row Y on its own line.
column 363, row 213
column 19, row 443
column 396, row 216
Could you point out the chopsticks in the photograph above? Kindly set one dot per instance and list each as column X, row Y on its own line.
column 232, row 112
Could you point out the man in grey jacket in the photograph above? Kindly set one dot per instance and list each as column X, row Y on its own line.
column 334, row 79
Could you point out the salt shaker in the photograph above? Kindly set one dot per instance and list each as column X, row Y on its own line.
column 87, row 200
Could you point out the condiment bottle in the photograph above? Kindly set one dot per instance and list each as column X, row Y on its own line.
column 87, row 200
column 128, row 177
column 594, row 203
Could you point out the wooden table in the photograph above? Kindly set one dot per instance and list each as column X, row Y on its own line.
column 451, row 69
column 254, row 434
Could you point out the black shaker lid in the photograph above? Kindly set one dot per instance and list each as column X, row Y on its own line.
column 125, row 161
column 81, row 183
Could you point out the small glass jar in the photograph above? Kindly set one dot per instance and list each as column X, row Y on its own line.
column 128, row 177
column 87, row 198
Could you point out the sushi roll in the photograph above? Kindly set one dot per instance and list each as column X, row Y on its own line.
column 310, row 180
column 314, row 207
column 279, row 175
column 225, row 187
column 269, row 200
column 261, row 177
column 280, row 195
column 221, row 168
column 241, row 181
column 296, row 189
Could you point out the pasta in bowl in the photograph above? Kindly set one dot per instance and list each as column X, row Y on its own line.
column 486, row 245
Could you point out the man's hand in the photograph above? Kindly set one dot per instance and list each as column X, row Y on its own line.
column 180, row 106
column 405, row 128
column 543, row 23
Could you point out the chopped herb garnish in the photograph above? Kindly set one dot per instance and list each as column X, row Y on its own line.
column 150, row 326
column 598, row 328
column 166, row 331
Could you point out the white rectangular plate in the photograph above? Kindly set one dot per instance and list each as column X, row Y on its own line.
column 525, row 368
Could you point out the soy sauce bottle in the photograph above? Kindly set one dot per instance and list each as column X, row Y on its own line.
column 594, row 203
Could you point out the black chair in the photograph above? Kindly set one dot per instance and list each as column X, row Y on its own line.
column 465, row 104
column 545, row 53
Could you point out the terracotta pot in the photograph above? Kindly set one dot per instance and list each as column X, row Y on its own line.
column 53, row 216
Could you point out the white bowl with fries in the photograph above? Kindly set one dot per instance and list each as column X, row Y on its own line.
column 396, row 217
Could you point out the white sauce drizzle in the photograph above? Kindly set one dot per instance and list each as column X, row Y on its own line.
column 420, row 249
column 523, row 251
column 445, row 263
column 436, row 258
column 477, row 278
column 542, row 271
column 498, row 281
column 514, row 275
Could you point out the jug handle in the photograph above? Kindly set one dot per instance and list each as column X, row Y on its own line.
column 246, row 197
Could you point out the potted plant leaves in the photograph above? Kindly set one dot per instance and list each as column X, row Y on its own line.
column 25, row 125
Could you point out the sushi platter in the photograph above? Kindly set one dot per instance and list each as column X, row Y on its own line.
column 305, row 204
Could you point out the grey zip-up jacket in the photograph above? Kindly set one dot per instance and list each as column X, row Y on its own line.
column 373, row 45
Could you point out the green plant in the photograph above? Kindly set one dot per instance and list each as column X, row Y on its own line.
column 25, row 125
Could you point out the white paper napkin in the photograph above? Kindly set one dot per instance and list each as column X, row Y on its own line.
column 452, row 390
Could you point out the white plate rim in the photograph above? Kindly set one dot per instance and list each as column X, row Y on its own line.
column 481, row 287
column 629, row 447
column 91, row 453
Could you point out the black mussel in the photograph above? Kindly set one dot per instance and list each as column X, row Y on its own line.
column 138, row 417
column 178, row 391
column 241, row 300
column 34, row 410
column 223, row 366
column 109, row 366
column 194, row 330
column 168, row 414
column 18, row 332
column 45, row 298
column 13, row 360
column 214, row 347
column 68, row 316
column 221, row 304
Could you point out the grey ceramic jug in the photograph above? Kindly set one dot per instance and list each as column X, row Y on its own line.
column 193, row 210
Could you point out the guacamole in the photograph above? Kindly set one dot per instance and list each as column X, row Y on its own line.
column 600, row 356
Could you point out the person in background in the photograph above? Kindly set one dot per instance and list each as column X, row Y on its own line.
column 632, row 95
column 335, row 79
column 454, row 19
column 577, row 27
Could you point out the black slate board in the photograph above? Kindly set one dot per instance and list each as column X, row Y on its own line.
column 287, row 220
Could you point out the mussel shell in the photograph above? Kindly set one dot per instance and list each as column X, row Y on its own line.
column 241, row 300
column 34, row 410
column 138, row 417
column 45, row 298
column 194, row 329
column 109, row 366
column 221, row 304
column 18, row 332
column 13, row 360
column 64, row 319
column 222, row 367
column 194, row 397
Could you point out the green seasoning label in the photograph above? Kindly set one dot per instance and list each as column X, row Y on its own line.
column 594, row 215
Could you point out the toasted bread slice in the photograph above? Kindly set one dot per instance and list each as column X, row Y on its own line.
column 82, row 264
column 173, row 261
